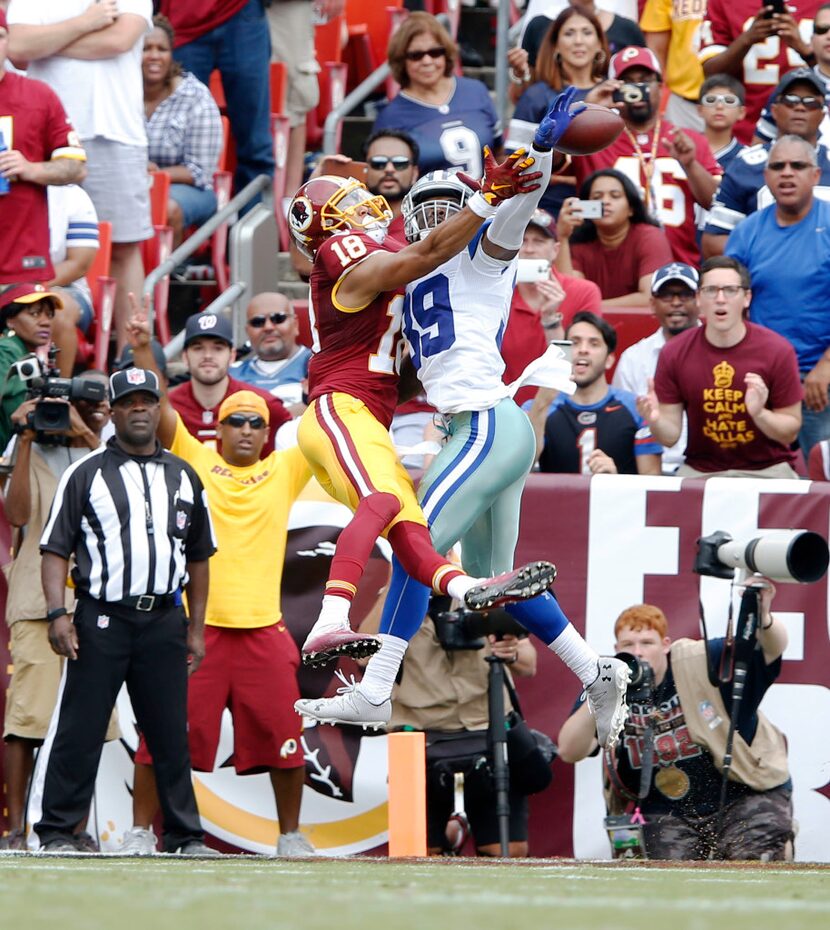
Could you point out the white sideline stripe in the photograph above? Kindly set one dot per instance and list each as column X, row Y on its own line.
column 324, row 405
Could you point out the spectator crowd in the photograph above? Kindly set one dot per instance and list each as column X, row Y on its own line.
column 707, row 219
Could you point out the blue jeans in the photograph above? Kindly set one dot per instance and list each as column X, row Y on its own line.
column 241, row 49
column 197, row 204
column 814, row 427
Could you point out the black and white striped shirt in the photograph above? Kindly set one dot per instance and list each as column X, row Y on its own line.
column 132, row 523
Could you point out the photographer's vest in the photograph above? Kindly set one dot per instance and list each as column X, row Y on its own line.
column 761, row 765
column 25, row 599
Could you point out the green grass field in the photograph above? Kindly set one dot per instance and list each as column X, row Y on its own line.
column 362, row 894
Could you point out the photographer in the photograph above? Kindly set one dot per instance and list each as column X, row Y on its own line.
column 27, row 313
column 443, row 691
column 40, row 461
column 689, row 718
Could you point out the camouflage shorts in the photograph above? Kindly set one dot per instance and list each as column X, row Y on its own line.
column 757, row 826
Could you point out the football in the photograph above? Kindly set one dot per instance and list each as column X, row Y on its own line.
column 592, row 130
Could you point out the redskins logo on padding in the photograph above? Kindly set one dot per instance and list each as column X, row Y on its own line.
column 301, row 214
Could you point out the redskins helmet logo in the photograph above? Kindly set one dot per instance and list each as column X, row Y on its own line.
column 301, row 214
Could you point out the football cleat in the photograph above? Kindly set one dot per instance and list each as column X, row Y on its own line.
column 606, row 699
column 348, row 706
column 519, row 585
column 334, row 644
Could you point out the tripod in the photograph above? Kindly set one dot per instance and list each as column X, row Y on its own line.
column 497, row 736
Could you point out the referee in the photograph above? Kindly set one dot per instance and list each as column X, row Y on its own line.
column 135, row 518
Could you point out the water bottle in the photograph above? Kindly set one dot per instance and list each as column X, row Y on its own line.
column 4, row 182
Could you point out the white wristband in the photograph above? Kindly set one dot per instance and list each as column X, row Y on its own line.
column 480, row 207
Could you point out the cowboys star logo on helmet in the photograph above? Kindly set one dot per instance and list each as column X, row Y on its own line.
column 327, row 205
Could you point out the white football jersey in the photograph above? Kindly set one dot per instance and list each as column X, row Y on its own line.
column 454, row 321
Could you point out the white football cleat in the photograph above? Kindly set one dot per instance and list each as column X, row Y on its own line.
column 606, row 699
column 349, row 706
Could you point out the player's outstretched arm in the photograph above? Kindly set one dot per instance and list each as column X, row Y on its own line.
column 138, row 337
column 390, row 270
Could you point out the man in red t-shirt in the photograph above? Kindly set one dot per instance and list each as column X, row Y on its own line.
column 542, row 310
column 42, row 148
column 746, row 39
column 208, row 353
column 233, row 38
column 737, row 382
column 674, row 169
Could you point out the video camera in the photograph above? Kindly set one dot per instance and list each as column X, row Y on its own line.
column 641, row 684
column 467, row 629
column 43, row 383
column 632, row 93
column 782, row 555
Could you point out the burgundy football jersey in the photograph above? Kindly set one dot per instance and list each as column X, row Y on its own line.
column 356, row 352
column 765, row 63
column 33, row 122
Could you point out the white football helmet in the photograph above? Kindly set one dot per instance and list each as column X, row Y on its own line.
column 432, row 199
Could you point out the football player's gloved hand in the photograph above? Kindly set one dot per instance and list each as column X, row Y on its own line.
column 557, row 120
column 510, row 177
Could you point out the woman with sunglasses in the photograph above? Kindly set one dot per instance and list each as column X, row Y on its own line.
column 452, row 117
column 574, row 53
column 621, row 249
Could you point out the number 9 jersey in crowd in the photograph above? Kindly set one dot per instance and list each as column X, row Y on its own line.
column 455, row 340
column 356, row 351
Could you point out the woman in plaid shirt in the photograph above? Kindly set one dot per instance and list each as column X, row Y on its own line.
column 184, row 131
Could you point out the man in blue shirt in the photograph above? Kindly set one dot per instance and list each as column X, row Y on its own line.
column 276, row 363
column 786, row 247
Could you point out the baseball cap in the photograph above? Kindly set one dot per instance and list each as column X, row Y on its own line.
column 543, row 221
column 676, row 271
column 131, row 380
column 208, row 324
column 127, row 358
column 246, row 401
column 28, row 294
column 799, row 75
column 633, row 57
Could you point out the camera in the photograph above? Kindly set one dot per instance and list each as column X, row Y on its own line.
column 632, row 93
column 782, row 555
column 467, row 629
column 45, row 386
column 641, row 684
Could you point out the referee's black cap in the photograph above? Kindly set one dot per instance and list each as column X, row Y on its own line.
column 131, row 380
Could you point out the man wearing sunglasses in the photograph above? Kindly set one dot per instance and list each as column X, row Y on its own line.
column 786, row 247
column 276, row 363
column 208, row 353
column 250, row 659
column 798, row 110
column 818, row 58
column 391, row 157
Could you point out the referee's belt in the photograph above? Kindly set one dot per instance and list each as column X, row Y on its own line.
column 147, row 602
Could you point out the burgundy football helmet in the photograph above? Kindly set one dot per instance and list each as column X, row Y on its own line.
column 329, row 204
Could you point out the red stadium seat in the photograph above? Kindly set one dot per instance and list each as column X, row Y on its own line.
column 94, row 353
column 332, row 80
column 280, row 130
column 370, row 25
column 632, row 324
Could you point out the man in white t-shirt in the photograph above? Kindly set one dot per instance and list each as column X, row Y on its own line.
column 90, row 55
column 673, row 293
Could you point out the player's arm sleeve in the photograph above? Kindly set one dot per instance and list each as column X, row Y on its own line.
column 511, row 219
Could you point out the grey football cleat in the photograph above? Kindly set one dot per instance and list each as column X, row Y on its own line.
column 295, row 845
column 348, row 706
column 519, row 585
column 606, row 699
column 138, row 842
